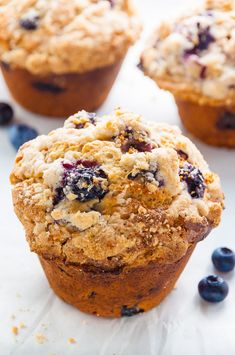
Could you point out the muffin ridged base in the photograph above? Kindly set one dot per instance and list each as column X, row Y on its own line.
column 209, row 123
column 113, row 293
column 63, row 94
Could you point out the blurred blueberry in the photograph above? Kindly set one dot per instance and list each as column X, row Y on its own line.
column 21, row 133
column 6, row 113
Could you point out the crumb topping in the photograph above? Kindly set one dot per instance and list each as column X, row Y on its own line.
column 194, row 55
column 40, row 338
column 15, row 330
column 60, row 36
column 87, row 200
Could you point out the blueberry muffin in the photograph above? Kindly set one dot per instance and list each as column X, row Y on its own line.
column 59, row 56
column 114, row 207
column 194, row 58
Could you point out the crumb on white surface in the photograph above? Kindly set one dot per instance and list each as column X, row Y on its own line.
column 25, row 310
column 22, row 325
column 15, row 330
column 40, row 338
column 72, row 340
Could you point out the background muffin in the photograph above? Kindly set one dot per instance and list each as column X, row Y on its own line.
column 114, row 208
column 193, row 58
column 59, row 56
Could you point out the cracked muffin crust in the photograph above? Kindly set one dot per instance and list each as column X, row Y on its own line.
column 114, row 191
column 114, row 207
column 193, row 58
column 60, row 36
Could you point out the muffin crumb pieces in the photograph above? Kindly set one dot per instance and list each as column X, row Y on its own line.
column 15, row 330
column 22, row 325
column 40, row 338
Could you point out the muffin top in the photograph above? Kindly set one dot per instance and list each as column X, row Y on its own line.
column 61, row 36
column 114, row 191
column 194, row 56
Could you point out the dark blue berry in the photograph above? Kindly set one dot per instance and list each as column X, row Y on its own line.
column 92, row 294
column 213, row 288
column 5, row 65
column 29, row 23
column 205, row 38
column 226, row 121
column 129, row 312
column 223, row 259
column 194, row 180
column 85, row 179
column 47, row 87
column 20, row 134
column 131, row 139
column 112, row 3
column 140, row 65
column 58, row 195
column 203, row 72
column 182, row 154
column 6, row 114
column 142, row 146
column 91, row 117
column 147, row 176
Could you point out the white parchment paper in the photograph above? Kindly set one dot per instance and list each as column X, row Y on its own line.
column 182, row 324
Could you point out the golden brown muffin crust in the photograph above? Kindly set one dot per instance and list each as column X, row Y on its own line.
column 61, row 36
column 135, row 206
column 193, row 56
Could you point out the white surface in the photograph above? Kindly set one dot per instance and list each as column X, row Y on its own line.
column 183, row 324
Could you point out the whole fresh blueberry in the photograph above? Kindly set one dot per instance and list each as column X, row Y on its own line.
column 223, row 259
column 213, row 288
column 20, row 134
column 6, row 113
